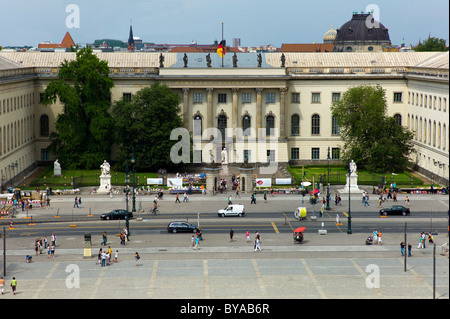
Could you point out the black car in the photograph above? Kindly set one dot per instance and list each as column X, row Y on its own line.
column 395, row 210
column 175, row 227
column 116, row 214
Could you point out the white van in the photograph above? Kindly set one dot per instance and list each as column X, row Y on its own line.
column 232, row 210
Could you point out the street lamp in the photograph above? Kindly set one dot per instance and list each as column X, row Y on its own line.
column 328, row 181
column 349, row 224
column 133, row 161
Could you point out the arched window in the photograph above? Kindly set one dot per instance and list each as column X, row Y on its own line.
column 44, row 127
column 198, row 125
column 335, row 128
column 270, row 123
column 295, row 124
column 222, row 124
column 398, row 119
column 315, row 124
column 246, row 124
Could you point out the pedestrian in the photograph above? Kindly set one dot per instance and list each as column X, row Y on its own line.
column 265, row 197
column 420, row 242
column 229, row 201
column 430, row 238
column 14, row 285
column 407, row 201
column 116, row 256
column 177, row 200
column 49, row 251
column 409, row 249
column 402, row 248
column 137, row 257
column 48, row 202
column 79, row 202
column 52, row 253
column 103, row 257
column 247, row 236
column 45, row 242
column 197, row 241
column 257, row 244
column 53, row 239
column 231, row 234
column 105, row 238
column 76, row 202
column 185, row 198
column 366, row 200
column 2, row 285
column 253, row 199
column 379, row 237
column 192, row 242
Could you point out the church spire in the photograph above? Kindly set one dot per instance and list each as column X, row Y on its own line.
column 131, row 46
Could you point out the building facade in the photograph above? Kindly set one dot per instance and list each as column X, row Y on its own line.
column 243, row 100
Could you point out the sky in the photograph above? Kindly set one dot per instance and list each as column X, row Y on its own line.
column 255, row 22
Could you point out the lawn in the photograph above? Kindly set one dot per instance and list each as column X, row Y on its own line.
column 85, row 178
column 337, row 176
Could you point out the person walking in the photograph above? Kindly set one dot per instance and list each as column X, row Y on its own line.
column 2, row 285
column 231, row 234
column 420, row 242
column 177, row 200
column 192, row 242
column 116, row 256
column 409, row 249
column 103, row 258
column 79, row 202
column 379, row 237
column 257, row 243
column 402, row 248
column 14, row 285
column 136, row 258
column 247, row 236
column 253, row 199
column 76, row 202
column 265, row 197
column 52, row 252
column 105, row 238
column 407, row 201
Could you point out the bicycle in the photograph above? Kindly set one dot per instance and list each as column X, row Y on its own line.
column 153, row 211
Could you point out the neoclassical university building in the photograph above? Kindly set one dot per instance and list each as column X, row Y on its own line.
column 290, row 93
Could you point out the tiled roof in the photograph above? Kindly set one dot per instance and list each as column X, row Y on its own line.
column 6, row 64
column 307, row 47
column 67, row 42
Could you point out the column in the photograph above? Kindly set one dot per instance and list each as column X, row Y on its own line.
column 234, row 114
column 209, row 108
column 259, row 117
column 283, row 114
column 186, row 108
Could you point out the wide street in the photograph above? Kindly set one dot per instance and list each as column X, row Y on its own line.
column 335, row 265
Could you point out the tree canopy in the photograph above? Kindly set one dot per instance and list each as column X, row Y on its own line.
column 83, row 129
column 372, row 139
column 431, row 44
column 144, row 125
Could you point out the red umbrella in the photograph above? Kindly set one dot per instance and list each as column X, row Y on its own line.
column 300, row 230
column 314, row 191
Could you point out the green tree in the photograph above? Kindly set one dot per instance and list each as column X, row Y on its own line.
column 372, row 139
column 145, row 123
column 431, row 44
column 83, row 136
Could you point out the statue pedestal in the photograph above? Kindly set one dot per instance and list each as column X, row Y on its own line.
column 351, row 180
column 224, row 171
column 105, row 184
column 57, row 172
column 246, row 179
column 212, row 178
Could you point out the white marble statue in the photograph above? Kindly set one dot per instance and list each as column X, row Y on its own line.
column 352, row 167
column 56, row 168
column 105, row 168
column 224, row 156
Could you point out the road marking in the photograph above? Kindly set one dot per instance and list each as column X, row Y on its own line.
column 152, row 287
column 259, row 277
column 45, row 281
column 275, row 227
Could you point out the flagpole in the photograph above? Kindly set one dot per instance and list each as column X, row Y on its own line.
column 223, row 46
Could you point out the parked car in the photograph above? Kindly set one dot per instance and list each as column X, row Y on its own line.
column 232, row 210
column 116, row 214
column 175, row 227
column 395, row 210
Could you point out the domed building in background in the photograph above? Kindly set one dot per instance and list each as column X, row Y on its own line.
column 330, row 36
column 362, row 34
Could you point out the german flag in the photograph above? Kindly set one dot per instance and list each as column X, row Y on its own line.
column 221, row 49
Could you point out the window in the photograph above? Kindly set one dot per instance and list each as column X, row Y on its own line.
column 295, row 153
column 336, row 97
column 44, row 125
column 247, row 156
column 246, row 98
column 222, row 124
column 315, row 124
column 295, row 124
column 222, row 98
column 398, row 97
column 398, row 119
column 271, row 155
column 126, row 96
column 315, row 153
column 315, row 98
column 335, row 128
column 335, row 153
column 198, row 97
column 270, row 124
column 295, row 97
column 270, row 98
column 198, row 125
column 45, row 154
column 246, row 125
